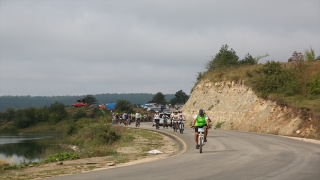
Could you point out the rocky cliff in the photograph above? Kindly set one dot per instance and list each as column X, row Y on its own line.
column 238, row 108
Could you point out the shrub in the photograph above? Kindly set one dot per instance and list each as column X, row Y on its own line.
column 79, row 114
column 61, row 157
column 218, row 125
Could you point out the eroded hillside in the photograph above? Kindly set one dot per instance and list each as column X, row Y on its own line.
column 239, row 108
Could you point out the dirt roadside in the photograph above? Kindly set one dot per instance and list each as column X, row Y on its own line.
column 126, row 156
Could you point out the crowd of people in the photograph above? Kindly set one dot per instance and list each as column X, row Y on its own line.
column 119, row 118
column 200, row 120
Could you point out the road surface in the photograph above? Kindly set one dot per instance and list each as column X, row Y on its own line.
column 228, row 155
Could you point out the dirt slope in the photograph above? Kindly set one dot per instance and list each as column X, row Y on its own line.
column 237, row 107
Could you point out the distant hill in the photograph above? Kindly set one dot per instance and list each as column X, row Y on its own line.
column 17, row 102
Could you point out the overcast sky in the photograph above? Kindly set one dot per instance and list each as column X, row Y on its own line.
column 80, row 47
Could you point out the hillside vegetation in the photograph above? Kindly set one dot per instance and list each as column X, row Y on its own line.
column 295, row 83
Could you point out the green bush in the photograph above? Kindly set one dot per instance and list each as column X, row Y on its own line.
column 61, row 157
column 80, row 114
column 87, row 133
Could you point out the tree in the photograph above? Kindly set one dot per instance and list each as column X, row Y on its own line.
column 158, row 98
column 309, row 55
column 57, row 111
column 248, row 60
column 225, row 58
column 180, row 97
column 90, row 99
column 123, row 106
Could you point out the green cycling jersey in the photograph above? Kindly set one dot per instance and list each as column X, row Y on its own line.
column 201, row 121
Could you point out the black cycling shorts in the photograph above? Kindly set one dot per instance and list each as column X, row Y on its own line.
column 196, row 127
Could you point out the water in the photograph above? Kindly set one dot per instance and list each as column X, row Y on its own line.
column 17, row 149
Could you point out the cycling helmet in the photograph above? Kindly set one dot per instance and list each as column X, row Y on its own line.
column 201, row 111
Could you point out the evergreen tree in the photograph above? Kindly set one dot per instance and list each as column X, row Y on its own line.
column 158, row 98
column 225, row 58
column 180, row 97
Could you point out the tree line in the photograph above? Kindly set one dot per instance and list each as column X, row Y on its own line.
column 25, row 117
column 18, row 102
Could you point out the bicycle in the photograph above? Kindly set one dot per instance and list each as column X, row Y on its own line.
column 138, row 123
column 175, row 126
column 200, row 138
column 181, row 126
column 157, row 123
column 165, row 123
column 126, row 122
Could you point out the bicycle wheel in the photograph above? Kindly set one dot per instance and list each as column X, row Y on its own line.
column 200, row 143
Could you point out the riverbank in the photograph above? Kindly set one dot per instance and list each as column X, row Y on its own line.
column 135, row 152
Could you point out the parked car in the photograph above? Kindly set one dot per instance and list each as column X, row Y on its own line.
column 161, row 120
column 146, row 106
column 167, row 111
column 155, row 109
column 78, row 104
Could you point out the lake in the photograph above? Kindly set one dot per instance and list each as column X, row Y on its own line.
column 16, row 149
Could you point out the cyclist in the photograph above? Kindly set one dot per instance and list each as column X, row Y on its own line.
column 125, row 117
column 174, row 118
column 180, row 119
column 117, row 118
column 165, row 120
column 180, row 113
column 157, row 118
column 200, row 120
column 137, row 118
column 113, row 117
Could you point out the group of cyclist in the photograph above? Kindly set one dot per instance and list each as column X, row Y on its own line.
column 127, row 118
column 176, row 117
column 200, row 120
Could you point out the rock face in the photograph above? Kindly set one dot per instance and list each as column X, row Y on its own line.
column 238, row 108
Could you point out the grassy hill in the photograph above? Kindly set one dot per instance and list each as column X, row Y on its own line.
column 296, row 85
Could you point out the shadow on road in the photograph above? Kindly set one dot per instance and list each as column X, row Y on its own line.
column 210, row 152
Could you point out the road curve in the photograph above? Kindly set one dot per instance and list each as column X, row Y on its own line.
column 227, row 155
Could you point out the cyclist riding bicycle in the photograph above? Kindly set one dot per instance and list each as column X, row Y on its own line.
column 200, row 120
column 137, row 118
column 165, row 120
column 180, row 119
column 117, row 118
column 174, row 118
column 157, row 118
column 125, row 117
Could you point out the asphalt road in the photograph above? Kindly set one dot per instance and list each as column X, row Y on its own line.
column 228, row 155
